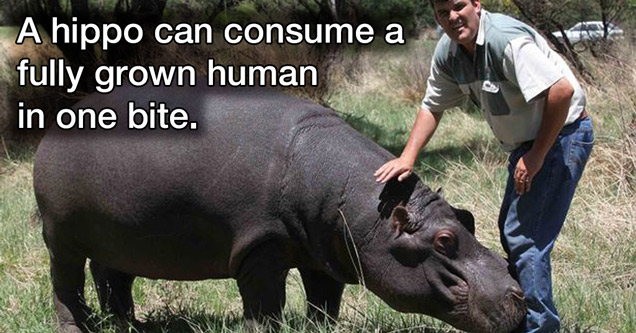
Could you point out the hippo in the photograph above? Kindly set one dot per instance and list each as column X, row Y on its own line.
column 267, row 182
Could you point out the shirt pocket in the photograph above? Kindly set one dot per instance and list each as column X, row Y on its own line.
column 495, row 101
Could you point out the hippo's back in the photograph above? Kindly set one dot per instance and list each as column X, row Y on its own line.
column 125, row 196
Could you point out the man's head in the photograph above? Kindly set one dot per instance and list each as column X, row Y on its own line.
column 459, row 19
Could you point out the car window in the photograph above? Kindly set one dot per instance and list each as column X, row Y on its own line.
column 590, row 27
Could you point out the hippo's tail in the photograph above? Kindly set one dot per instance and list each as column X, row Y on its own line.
column 35, row 219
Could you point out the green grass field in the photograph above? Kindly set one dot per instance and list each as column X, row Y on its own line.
column 594, row 261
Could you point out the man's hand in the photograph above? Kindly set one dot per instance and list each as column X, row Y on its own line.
column 527, row 167
column 400, row 167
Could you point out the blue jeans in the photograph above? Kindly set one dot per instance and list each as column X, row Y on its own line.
column 529, row 224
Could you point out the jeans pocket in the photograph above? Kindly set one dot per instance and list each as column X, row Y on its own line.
column 580, row 149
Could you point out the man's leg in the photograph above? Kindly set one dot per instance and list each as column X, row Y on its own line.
column 530, row 223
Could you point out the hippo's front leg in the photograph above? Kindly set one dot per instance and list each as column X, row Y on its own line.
column 323, row 295
column 261, row 282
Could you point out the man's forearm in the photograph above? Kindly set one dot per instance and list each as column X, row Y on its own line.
column 423, row 129
column 555, row 113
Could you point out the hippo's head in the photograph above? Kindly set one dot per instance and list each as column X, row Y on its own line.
column 427, row 260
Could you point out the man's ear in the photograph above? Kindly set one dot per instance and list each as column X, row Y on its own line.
column 432, row 4
column 477, row 4
column 465, row 218
column 435, row 17
column 399, row 218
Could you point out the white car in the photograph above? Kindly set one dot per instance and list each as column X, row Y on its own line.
column 589, row 31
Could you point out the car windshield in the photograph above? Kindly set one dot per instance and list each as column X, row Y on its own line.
column 589, row 27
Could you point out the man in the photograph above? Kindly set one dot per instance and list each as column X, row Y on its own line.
column 536, row 108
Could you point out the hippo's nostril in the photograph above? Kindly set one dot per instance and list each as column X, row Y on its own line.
column 516, row 292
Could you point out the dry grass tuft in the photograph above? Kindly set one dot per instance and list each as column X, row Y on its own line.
column 396, row 72
column 412, row 75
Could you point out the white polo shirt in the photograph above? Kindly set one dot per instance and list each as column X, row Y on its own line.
column 507, row 77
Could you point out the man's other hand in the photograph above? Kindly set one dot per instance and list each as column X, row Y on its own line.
column 527, row 167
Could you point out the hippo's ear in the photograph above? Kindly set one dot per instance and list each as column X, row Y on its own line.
column 465, row 218
column 401, row 220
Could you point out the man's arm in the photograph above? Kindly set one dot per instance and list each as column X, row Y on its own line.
column 555, row 112
column 402, row 167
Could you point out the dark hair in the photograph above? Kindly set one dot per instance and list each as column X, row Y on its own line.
column 432, row 2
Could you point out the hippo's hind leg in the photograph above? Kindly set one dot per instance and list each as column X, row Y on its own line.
column 67, row 277
column 114, row 291
column 323, row 294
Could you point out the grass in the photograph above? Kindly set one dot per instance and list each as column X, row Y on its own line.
column 594, row 261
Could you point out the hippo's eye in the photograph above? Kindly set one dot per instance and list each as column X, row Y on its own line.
column 445, row 243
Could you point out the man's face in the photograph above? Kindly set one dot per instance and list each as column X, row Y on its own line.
column 460, row 20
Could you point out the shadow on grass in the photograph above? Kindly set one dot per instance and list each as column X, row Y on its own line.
column 195, row 321
column 17, row 150
column 189, row 321
column 186, row 321
column 381, row 135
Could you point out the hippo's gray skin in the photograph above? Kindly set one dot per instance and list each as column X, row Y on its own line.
column 267, row 183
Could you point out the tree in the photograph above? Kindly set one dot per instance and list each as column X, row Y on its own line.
column 501, row 6
column 146, row 13
column 611, row 11
column 545, row 15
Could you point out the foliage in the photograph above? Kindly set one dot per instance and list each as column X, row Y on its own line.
column 411, row 14
column 501, row 6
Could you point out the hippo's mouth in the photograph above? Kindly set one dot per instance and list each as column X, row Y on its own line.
column 467, row 312
column 470, row 317
column 506, row 317
column 502, row 318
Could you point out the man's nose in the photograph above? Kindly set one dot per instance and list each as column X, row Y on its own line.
column 453, row 16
